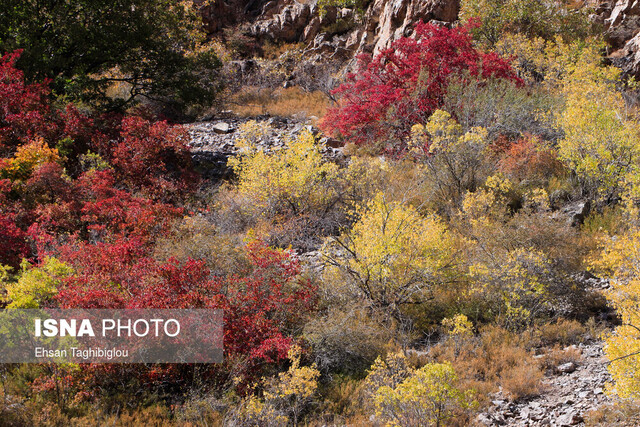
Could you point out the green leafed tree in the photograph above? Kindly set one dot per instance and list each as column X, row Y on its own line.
column 533, row 18
column 113, row 52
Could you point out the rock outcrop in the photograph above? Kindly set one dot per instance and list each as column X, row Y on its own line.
column 341, row 33
column 346, row 29
column 219, row 14
column 621, row 20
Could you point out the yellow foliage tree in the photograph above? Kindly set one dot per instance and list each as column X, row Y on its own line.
column 403, row 396
column 540, row 60
column 295, row 180
column 293, row 389
column 35, row 285
column 601, row 142
column 620, row 260
column 531, row 18
column 458, row 326
column 455, row 159
column 511, row 274
column 27, row 157
column 393, row 255
column 285, row 397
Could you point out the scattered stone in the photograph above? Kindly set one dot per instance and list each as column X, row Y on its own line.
column 213, row 142
column 566, row 368
column 222, row 128
column 565, row 400
column 569, row 419
column 577, row 212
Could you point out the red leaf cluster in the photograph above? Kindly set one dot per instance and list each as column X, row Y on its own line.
column 405, row 83
column 149, row 172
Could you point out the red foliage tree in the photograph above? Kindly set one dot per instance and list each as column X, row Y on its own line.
column 153, row 157
column 150, row 171
column 267, row 302
column 24, row 108
column 404, row 84
column 13, row 243
column 13, row 246
column 261, row 307
column 109, row 211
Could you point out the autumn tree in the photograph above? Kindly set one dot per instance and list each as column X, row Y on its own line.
column 406, row 396
column 36, row 286
column 602, row 138
column 519, row 263
column 295, row 179
column 454, row 160
column 263, row 305
column 392, row 255
column 620, row 261
column 405, row 84
column 153, row 157
column 293, row 195
column 63, row 172
column 25, row 111
column 285, row 396
column 13, row 246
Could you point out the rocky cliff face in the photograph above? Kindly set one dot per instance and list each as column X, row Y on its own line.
column 340, row 33
column 345, row 29
column 621, row 20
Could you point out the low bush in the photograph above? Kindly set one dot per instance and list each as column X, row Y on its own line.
column 496, row 358
column 348, row 339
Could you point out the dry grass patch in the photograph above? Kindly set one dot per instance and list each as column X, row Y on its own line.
column 562, row 331
column 497, row 359
column 288, row 102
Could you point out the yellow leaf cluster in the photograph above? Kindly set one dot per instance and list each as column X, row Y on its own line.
column 284, row 396
column 454, row 159
column 601, row 142
column 27, row 158
column 425, row 396
column 394, row 253
column 294, row 179
column 36, row 285
column 299, row 383
column 621, row 261
column 458, row 325
column 521, row 279
column 514, row 276
column 537, row 59
column 487, row 204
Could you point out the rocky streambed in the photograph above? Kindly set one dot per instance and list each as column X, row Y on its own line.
column 570, row 392
column 214, row 141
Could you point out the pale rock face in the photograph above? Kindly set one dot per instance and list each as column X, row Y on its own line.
column 621, row 20
column 396, row 18
column 383, row 22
